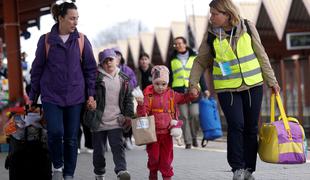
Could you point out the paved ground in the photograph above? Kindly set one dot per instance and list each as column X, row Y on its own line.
column 195, row 164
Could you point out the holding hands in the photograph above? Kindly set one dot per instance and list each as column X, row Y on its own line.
column 194, row 92
column 91, row 103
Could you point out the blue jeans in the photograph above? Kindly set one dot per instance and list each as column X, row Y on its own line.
column 62, row 127
column 241, row 110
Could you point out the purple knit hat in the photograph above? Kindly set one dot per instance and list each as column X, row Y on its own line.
column 106, row 53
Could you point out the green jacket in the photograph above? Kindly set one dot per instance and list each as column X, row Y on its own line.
column 92, row 119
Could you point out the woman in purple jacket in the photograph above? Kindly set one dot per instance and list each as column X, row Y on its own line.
column 64, row 74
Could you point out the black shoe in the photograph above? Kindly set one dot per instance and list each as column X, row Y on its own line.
column 195, row 143
column 188, row 146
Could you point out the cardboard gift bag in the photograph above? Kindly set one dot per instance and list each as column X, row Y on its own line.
column 143, row 129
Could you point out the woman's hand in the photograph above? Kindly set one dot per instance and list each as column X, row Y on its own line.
column 276, row 89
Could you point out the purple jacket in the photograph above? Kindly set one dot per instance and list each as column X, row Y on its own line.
column 129, row 72
column 62, row 78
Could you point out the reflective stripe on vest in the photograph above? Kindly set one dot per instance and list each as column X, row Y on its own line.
column 245, row 67
column 181, row 73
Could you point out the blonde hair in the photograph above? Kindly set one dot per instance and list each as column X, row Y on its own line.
column 227, row 7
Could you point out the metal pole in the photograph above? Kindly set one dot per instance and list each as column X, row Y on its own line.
column 11, row 32
column 283, row 79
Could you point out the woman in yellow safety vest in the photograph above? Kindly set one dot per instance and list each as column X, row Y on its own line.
column 233, row 53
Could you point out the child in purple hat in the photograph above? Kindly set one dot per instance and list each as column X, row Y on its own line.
column 110, row 115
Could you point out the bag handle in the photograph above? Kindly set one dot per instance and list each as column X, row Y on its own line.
column 282, row 112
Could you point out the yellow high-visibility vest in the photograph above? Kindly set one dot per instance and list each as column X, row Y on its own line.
column 244, row 66
column 181, row 73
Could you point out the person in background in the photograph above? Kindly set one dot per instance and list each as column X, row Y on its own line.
column 143, row 73
column 65, row 79
column 239, row 65
column 24, row 63
column 180, row 65
column 3, row 70
column 114, row 110
column 120, row 62
column 161, row 101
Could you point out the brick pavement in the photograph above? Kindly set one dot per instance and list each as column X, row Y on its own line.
column 195, row 164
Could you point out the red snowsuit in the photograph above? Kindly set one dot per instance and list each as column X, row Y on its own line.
column 164, row 108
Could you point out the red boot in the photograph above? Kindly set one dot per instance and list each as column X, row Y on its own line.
column 153, row 176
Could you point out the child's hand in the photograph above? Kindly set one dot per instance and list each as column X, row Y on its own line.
column 92, row 105
column 140, row 100
column 127, row 124
column 193, row 92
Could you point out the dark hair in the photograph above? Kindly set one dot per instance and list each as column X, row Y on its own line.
column 122, row 60
column 144, row 54
column 182, row 38
column 61, row 9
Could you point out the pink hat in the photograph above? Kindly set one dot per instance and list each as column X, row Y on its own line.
column 161, row 73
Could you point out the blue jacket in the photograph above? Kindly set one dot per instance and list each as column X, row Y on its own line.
column 62, row 78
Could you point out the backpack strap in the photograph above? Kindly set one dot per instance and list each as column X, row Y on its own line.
column 210, row 40
column 171, row 102
column 150, row 96
column 171, row 109
column 246, row 22
column 81, row 41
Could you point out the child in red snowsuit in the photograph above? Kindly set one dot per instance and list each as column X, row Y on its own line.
column 161, row 101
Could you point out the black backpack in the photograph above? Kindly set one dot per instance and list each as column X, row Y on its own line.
column 212, row 37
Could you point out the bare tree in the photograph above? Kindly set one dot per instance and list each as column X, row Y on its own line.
column 120, row 31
